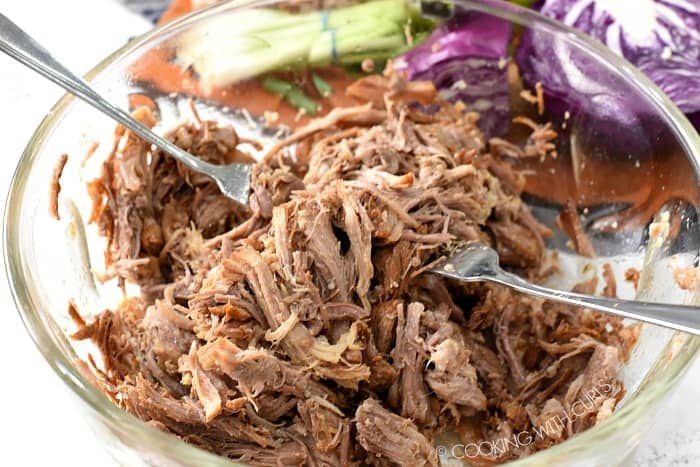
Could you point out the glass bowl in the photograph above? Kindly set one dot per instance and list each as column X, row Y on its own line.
column 620, row 190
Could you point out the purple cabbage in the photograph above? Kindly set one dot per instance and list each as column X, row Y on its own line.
column 660, row 37
column 466, row 60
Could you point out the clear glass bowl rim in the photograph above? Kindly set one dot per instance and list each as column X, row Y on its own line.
column 22, row 289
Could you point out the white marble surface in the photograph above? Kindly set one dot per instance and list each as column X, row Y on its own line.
column 41, row 425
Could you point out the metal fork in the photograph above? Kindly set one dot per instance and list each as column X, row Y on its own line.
column 233, row 180
column 477, row 262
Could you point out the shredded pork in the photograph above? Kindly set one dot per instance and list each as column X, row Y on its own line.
column 303, row 329
column 55, row 187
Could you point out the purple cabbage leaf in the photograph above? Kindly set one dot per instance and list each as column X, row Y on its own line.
column 466, row 59
column 660, row 37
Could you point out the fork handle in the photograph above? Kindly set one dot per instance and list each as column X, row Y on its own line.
column 19, row 45
column 684, row 318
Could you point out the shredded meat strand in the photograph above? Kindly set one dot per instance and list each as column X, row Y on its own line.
column 632, row 275
column 55, row 188
column 571, row 223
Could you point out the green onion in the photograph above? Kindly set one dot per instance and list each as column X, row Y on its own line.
column 322, row 86
column 244, row 44
column 292, row 94
column 301, row 101
column 277, row 86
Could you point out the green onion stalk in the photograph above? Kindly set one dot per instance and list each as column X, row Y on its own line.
column 323, row 88
column 292, row 94
column 526, row 3
column 245, row 44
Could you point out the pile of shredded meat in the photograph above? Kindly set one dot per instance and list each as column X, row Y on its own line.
column 303, row 329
